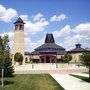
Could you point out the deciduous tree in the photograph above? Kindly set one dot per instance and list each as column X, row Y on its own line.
column 6, row 68
column 85, row 59
column 67, row 58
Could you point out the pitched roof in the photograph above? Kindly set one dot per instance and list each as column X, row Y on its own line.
column 49, row 39
column 49, row 47
column 19, row 20
column 78, row 49
column 88, row 49
column 34, row 53
column 60, row 52
column 27, row 53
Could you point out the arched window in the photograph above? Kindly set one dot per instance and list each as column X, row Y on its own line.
column 26, row 59
column 21, row 27
column 16, row 27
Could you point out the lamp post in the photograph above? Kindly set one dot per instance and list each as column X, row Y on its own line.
column 2, row 72
column 56, row 61
column 56, row 65
column 2, row 77
column 32, row 64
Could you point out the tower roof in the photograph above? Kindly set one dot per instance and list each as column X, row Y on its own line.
column 78, row 49
column 49, row 38
column 19, row 20
column 49, row 47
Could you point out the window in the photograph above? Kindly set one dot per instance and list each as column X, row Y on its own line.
column 16, row 27
column 21, row 27
column 26, row 59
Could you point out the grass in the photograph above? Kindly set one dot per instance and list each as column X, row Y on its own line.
column 81, row 77
column 31, row 82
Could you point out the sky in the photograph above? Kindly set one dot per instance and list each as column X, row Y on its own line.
column 67, row 20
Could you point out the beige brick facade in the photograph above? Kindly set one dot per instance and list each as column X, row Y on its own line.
column 19, row 39
column 76, row 57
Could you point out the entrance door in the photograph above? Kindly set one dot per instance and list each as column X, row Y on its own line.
column 47, row 59
column 42, row 60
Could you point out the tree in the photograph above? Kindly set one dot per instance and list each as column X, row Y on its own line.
column 18, row 57
column 85, row 60
column 6, row 68
column 67, row 58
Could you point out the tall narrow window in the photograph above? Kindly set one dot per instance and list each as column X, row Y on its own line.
column 26, row 59
column 16, row 27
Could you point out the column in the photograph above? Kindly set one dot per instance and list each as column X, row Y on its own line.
column 55, row 60
column 39, row 59
column 50, row 59
column 45, row 59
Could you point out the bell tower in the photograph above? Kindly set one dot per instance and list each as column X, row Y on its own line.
column 19, row 37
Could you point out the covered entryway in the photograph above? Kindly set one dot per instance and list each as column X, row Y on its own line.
column 48, row 59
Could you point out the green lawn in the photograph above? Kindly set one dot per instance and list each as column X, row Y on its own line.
column 31, row 82
column 81, row 77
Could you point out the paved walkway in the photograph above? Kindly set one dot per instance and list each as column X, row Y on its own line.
column 45, row 66
column 49, row 68
column 71, row 83
column 59, row 73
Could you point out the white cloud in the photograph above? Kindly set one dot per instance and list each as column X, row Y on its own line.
column 68, row 42
column 62, row 32
column 35, row 27
column 30, row 46
column 7, row 15
column 10, row 34
column 83, row 28
column 58, row 18
column 11, row 39
column 81, row 35
column 24, row 17
column 38, row 17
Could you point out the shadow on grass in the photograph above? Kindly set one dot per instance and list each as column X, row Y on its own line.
column 81, row 77
column 7, row 82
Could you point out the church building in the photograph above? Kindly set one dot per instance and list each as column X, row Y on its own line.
column 49, row 52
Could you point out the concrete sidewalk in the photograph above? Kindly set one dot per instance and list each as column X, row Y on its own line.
column 46, row 66
column 60, row 74
column 71, row 83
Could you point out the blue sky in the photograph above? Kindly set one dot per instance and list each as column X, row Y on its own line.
column 68, row 20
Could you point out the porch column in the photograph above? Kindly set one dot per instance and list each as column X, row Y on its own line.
column 50, row 59
column 55, row 60
column 39, row 59
column 45, row 59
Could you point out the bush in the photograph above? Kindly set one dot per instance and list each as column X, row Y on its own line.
column 18, row 57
